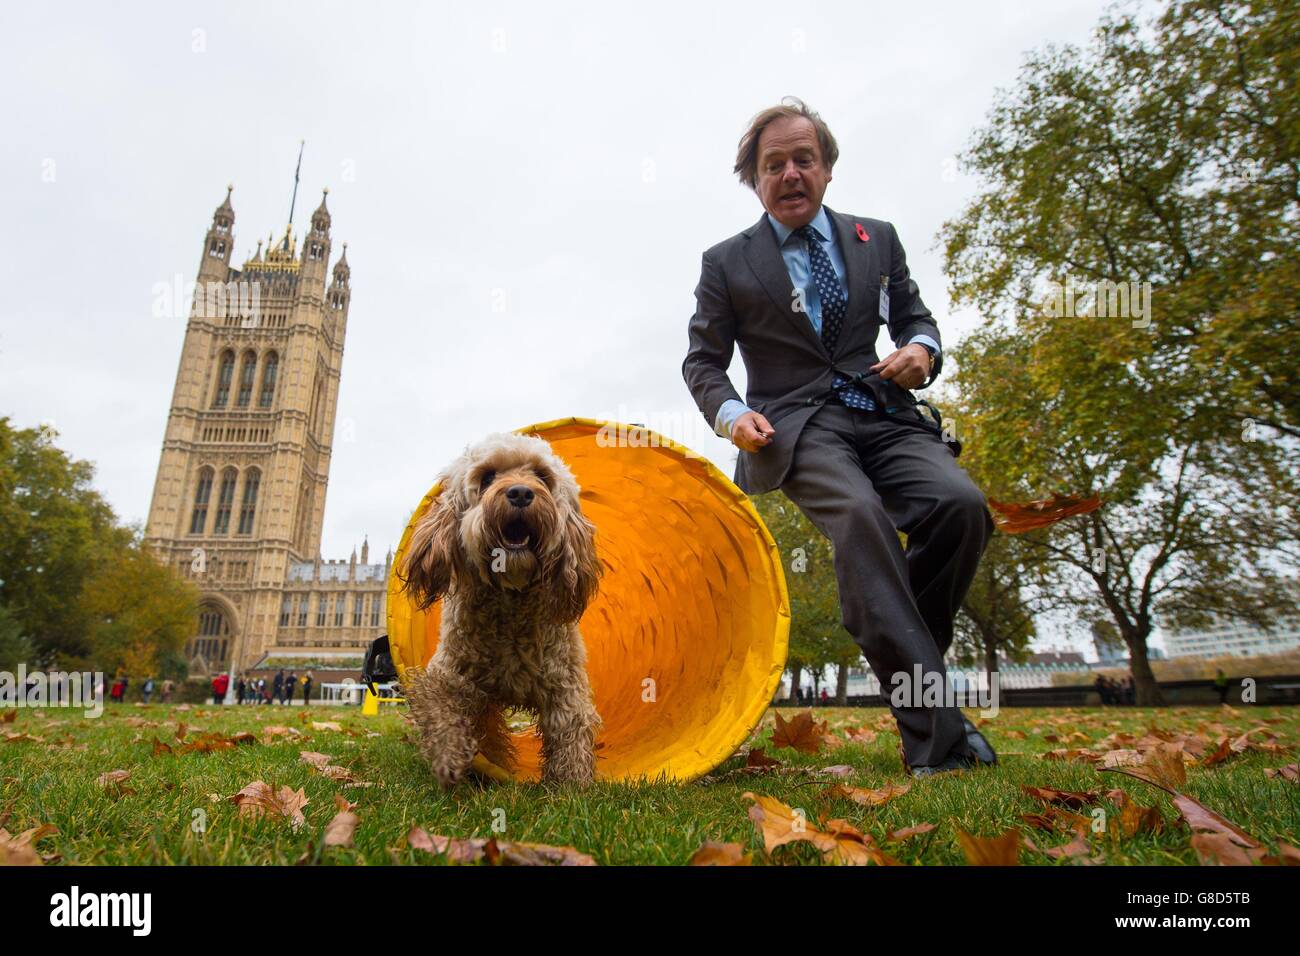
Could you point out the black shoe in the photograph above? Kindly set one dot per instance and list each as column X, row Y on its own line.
column 980, row 748
column 953, row 762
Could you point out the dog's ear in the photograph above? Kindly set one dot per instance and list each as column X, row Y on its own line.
column 580, row 568
column 434, row 555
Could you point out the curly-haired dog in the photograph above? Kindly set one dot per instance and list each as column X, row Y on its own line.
column 507, row 547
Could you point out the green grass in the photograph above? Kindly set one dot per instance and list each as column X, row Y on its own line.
column 54, row 782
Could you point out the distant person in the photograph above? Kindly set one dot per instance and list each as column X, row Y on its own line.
column 220, row 684
column 290, row 685
column 306, row 689
column 241, row 688
column 1221, row 684
column 277, row 687
column 147, row 690
column 168, row 687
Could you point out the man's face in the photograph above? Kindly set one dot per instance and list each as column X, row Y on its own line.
column 791, row 175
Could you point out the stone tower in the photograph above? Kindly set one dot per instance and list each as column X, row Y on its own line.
column 239, row 499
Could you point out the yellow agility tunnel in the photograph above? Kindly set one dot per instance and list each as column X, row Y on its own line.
column 686, row 638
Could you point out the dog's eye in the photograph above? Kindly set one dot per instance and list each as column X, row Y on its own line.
column 547, row 478
column 486, row 479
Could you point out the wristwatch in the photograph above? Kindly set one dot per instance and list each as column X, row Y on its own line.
column 933, row 353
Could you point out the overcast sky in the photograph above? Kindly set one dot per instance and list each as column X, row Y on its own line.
column 525, row 190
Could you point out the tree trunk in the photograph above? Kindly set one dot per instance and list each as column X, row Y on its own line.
column 1146, row 692
column 795, row 673
column 842, row 686
column 990, row 660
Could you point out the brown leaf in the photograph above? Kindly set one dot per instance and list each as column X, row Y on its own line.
column 1289, row 773
column 849, row 846
column 1204, row 820
column 340, row 830
column 113, row 782
column 869, row 798
column 8, row 716
column 780, row 824
column 906, row 833
column 1065, row 798
column 317, row 760
column 803, row 733
column 713, row 853
column 1013, row 518
column 160, row 748
column 1219, row 849
column 758, row 757
column 1162, row 767
column 326, row 725
column 258, row 799
column 1001, row 850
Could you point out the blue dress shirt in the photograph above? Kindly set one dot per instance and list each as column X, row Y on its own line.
column 795, row 253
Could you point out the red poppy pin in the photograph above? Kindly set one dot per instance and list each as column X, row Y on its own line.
column 862, row 233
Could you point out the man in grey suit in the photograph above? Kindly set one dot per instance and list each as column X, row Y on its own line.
column 804, row 292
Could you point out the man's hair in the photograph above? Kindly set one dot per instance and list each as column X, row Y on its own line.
column 791, row 107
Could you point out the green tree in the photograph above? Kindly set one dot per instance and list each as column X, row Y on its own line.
column 15, row 648
column 1165, row 158
column 817, row 637
column 74, row 582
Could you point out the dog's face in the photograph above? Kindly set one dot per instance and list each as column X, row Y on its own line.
column 508, row 517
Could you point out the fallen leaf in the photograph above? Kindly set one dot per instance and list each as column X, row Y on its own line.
column 802, row 732
column 713, row 853
column 258, row 799
column 869, row 798
column 1003, row 850
column 113, row 782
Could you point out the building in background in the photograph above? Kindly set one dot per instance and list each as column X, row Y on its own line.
column 1235, row 639
column 239, row 499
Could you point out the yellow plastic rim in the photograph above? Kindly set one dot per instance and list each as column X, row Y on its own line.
column 687, row 637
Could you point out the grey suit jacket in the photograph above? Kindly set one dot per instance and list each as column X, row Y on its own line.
column 745, row 298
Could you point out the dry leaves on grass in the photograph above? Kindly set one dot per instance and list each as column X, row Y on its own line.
column 1065, row 798
column 340, row 830
column 114, row 783
column 495, row 852
column 869, row 798
column 212, row 742
column 802, row 732
column 713, row 853
column 258, row 799
column 1002, row 850
column 20, row 850
column 1163, row 766
column 1288, row 773
column 840, row 842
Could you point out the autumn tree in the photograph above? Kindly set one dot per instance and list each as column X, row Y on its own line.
column 74, row 583
column 1163, row 163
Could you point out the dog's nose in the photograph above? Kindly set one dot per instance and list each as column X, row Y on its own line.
column 521, row 496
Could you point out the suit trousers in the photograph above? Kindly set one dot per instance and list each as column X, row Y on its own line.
column 858, row 476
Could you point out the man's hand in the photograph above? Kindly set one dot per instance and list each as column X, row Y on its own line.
column 752, row 432
column 907, row 367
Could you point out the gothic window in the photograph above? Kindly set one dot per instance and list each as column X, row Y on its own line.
column 225, row 501
column 338, row 609
column 224, row 376
column 320, row 610
column 356, row 610
column 376, row 605
column 213, row 639
column 199, row 517
column 286, row 608
column 248, row 508
column 269, row 370
column 246, row 374
column 302, row 609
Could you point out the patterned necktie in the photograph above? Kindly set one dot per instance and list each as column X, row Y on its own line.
column 834, row 308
